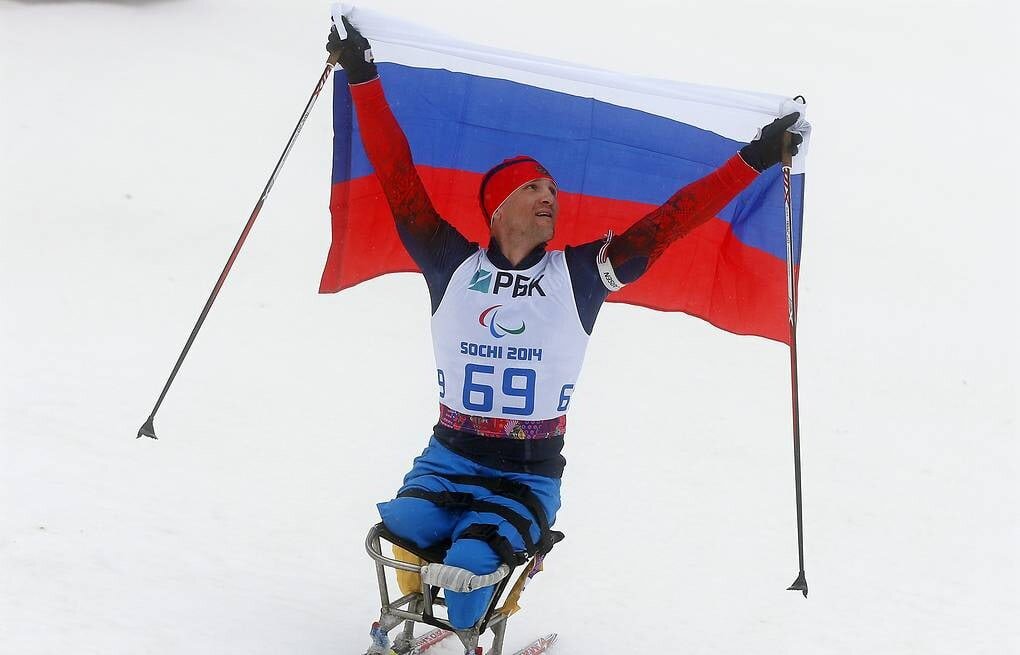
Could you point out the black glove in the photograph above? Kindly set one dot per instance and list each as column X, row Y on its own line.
column 767, row 148
column 354, row 53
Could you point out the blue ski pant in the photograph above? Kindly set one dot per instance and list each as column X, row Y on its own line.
column 426, row 523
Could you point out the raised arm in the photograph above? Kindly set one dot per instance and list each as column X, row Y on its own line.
column 390, row 155
column 435, row 245
column 636, row 249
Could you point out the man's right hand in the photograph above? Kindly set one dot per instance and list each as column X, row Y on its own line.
column 766, row 150
column 354, row 53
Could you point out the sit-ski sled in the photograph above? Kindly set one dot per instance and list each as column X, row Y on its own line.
column 424, row 567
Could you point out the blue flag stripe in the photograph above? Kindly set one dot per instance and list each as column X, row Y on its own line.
column 465, row 122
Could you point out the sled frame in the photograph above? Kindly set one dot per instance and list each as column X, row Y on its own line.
column 419, row 607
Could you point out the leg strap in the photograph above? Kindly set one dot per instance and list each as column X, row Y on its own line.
column 465, row 501
column 520, row 493
column 516, row 491
column 489, row 533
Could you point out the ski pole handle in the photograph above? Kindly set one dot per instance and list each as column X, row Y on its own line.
column 787, row 142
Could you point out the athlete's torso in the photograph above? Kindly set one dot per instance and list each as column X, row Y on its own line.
column 509, row 345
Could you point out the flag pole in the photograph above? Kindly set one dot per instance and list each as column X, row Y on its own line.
column 800, row 584
column 148, row 429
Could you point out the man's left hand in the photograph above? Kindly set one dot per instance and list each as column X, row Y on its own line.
column 354, row 53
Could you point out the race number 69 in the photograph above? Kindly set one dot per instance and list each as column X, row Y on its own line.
column 517, row 383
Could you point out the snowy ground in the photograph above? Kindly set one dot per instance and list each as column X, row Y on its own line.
column 137, row 135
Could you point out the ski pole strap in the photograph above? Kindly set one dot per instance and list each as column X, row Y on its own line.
column 466, row 502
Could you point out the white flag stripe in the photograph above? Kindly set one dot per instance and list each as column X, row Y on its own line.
column 730, row 113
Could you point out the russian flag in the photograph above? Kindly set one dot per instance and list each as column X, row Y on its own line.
column 618, row 146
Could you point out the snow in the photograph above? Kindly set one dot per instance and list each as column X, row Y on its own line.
column 136, row 136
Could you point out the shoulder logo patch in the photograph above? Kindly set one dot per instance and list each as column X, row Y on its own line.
column 481, row 281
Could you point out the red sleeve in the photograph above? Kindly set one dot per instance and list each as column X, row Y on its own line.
column 390, row 155
column 434, row 245
column 641, row 244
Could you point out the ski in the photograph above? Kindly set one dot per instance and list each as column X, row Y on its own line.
column 381, row 642
column 538, row 646
column 427, row 641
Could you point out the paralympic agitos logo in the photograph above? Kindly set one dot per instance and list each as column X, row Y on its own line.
column 490, row 319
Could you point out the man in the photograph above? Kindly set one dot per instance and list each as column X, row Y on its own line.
column 510, row 324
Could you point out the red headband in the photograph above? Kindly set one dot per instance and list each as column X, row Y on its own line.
column 505, row 178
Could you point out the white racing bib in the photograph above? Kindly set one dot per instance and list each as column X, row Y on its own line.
column 508, row 344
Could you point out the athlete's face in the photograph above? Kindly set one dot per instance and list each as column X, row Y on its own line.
column 528, row 214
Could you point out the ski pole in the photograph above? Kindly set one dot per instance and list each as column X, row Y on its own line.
column 148, row 428
column 800, row 584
